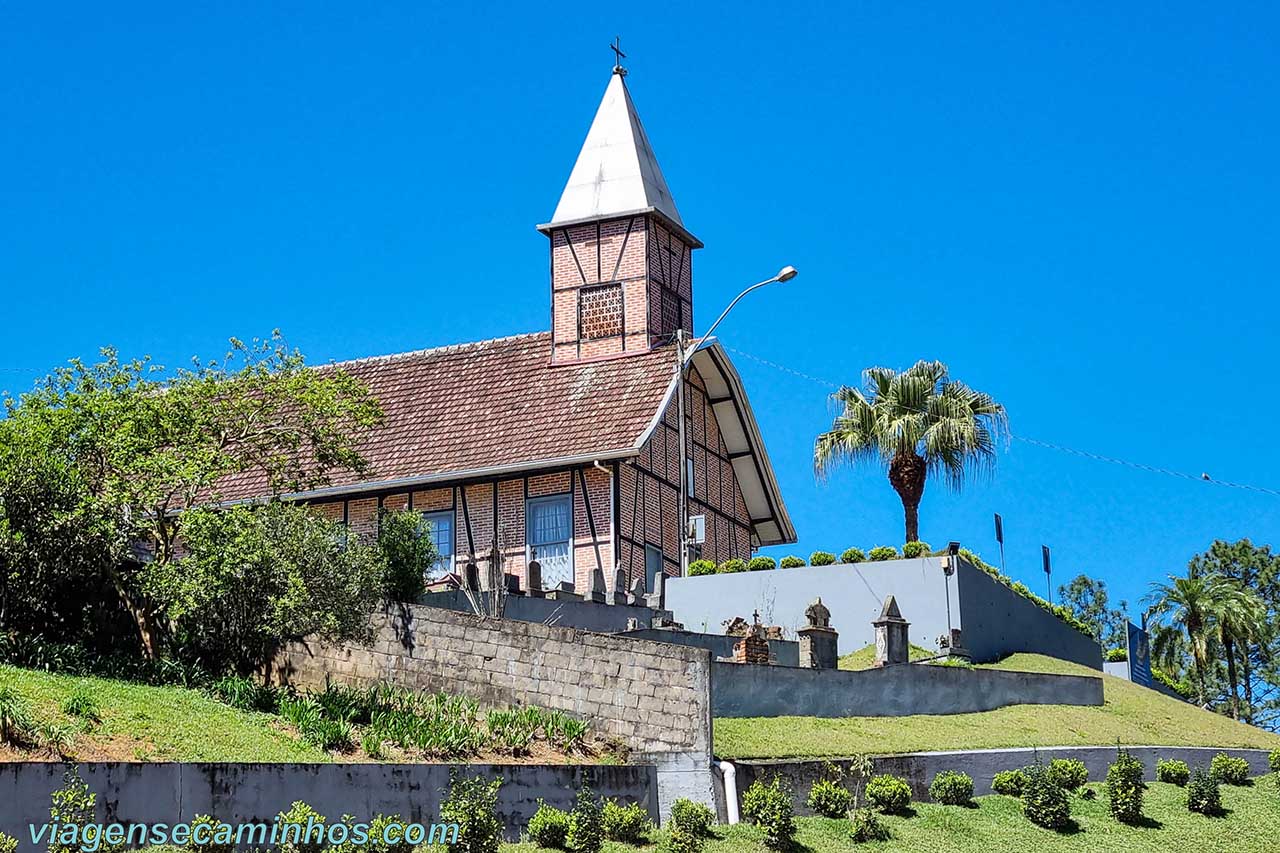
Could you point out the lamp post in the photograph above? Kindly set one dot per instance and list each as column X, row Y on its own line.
column 683, row 355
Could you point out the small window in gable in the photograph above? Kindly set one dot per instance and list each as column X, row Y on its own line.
column 600, row 311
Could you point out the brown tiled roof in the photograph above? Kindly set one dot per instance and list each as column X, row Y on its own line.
column 493, row 404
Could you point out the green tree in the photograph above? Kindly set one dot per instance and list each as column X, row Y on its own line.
column 136, row 448
column 1089, row 602
column 1192, row 603
column 405, row 539
column 915, row 423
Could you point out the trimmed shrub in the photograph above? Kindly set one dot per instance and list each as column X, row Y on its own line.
column 8, row 844
column 761, row 564
column 1117, row 655
column 951, row 788
column 694, row 817
column 853, row 555
column 586, row 824
column 1043, row 802
column 1173, row 771
column 1203, row 796
column 629, row 824
column 1069, row 774
column 473, row 805
column 889, row 794
column 1124, row 788
column 792, row 562
column 911, row 550
column 731, row 566
column 1009, row 783
column 302, row 839
column 701, row 567
column 822, row 558
column 864, row 826
column 1273, row 761
column 829, row 798
column 549, row 827
column 220, row 839
column 882, row 552
column 1229, row 771
column 771, row 811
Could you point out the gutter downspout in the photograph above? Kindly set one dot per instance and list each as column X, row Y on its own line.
column 730, row 774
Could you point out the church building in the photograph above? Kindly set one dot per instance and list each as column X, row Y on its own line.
column 564, row 446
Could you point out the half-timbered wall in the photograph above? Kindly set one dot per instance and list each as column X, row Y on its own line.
column 649, row 491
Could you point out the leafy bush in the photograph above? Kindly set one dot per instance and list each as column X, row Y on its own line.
column 1124, row 788
column 1182, row 687
column 299, row 840
column 82, row 703
column 16, row 721
column 1043, row 802
column 792, row 562
column 549, row 827
column 911, row 550
column 698, row 568
column 245, row 693
column 1203, row 796
column 822, row 558
column 951, row 788
column 761, row 564
column 889, row 794
column 694, row 817
column 1069, row 774
column 864, row 826
column 8, row 844
column 73, row 803
column 404, row 538
column 1273, row 760
column 829, row 798
column 1229, row 771
column 1117, row 655
column 882, row 552
column 731, row 566
column 852, row 555
column 473, row 805
column 1009, row 783
column 629, row 824
column 770, row 809
column 1173, row 771
column 586, row 823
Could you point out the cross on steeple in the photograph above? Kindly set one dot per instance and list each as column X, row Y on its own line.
column 618, row 56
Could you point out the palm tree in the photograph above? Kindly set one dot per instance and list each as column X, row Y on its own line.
column 1193, row 604
column 916, row 423
column 1240, row 617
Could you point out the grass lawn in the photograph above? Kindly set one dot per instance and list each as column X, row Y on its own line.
column 142, row 723
column 997, row 824
column 865, row 656
column 1131, row 714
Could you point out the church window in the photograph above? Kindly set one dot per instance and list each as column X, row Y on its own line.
column 600, row 311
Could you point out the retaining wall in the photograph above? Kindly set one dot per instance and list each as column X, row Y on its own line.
column 746, row 690
column 251, row 793
column 586, row 615
column 998, row 622
column 919, row 768
column 655, row 697
column 785, row 652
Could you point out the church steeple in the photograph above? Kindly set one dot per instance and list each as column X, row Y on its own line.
column 620, row 254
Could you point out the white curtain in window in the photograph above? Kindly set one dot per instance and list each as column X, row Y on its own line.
column 549, row 531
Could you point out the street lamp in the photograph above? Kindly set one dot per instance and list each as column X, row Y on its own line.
column 682, row 359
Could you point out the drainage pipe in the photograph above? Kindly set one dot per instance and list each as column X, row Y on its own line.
column 730, row 774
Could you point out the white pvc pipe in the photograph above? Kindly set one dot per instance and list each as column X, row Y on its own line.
column 730, row 774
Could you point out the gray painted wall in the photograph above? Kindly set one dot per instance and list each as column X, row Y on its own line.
column 998, row 622
column 785, row 652
column 919, row 768
column 583, row 615
column 235, row 793
column 745, row 690
column 854, row 594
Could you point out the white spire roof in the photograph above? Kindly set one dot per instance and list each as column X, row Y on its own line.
column 616, row 172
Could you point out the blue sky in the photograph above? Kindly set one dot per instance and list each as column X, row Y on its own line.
column 1073, row 205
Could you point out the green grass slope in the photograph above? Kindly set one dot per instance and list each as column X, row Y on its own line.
column 1130, row 714
column 864, row 657
column 1252, row 823
column 142, row 723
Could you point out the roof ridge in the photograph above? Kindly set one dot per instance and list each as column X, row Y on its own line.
column 370, row 359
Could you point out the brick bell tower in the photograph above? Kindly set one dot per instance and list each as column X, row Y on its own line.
column 621, row 258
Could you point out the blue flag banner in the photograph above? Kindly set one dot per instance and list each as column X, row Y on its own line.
column 1139, row 656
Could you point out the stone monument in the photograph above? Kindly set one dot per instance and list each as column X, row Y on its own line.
column 818, row 640
column 893, row 646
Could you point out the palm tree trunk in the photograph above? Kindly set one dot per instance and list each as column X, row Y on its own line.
column 1246, row 676
column 1229, row 648
column 907, row 474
